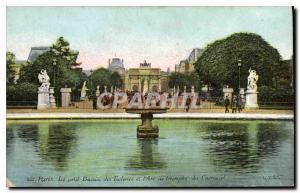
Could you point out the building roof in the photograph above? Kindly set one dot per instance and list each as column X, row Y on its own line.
column 116, row 63
column 35, row 52
column 194, row 55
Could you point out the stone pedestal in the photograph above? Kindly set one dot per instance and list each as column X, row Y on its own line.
column 146, row 129
column 43, row 100
column 52, row 98
column 228, row 92
column 251, row 99
column 65, row 97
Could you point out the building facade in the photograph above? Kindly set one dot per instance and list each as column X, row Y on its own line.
column 187, row 65
column 146, row 79
column 116, row 65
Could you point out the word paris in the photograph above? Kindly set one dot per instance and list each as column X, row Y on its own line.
column 152, row 100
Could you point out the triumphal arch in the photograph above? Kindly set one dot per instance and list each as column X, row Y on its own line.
column 143, row 79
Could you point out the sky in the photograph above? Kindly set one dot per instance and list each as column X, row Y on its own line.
column 161, row 35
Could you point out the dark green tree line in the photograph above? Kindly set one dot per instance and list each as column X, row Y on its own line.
column 218, row 65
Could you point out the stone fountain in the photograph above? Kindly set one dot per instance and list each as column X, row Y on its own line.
column 146, row 129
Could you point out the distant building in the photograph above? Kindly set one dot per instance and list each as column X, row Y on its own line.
column 116, row 65
column 194, row 55
column 145, row 79
column 187, row 65
column 177, row 66
column 183, row 66
column 35, row 52
column 168, row 71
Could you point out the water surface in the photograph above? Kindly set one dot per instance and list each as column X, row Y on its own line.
column 187, row 153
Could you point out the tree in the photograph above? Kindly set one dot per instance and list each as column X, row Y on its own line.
column 282, row 88
column 62, row 48
column 10, row 73
column 101, row 77
column 58, row 63
column 185, row 79
column 56, row 67
column 23, row 91
column 217, row 66
column 116, row 80
column 284, row 74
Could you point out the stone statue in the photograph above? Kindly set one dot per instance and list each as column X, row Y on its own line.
column 98, row 91
column 251, row 93
column 44, row 79
column 252, row 80
column 43, row 91
column 83, row 91
column 193, row 89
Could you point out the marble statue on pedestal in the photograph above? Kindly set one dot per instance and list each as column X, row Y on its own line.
column 83, row 91
column 251, row 93
column 43, row 91
column 98, row 91
column 252, row 80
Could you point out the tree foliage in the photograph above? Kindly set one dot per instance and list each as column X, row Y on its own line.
column 60, row 75
column 103, row 77
column 10, row 73
column 218, row 65
column 116, row 80
column 58, row 62
column 23, row 91
column 62, row 48
column 185, row 79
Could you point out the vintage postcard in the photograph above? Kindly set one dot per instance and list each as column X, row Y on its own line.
column 150, row 97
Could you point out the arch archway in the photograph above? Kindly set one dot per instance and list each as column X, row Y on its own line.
column 135, row 88
column 154, row 88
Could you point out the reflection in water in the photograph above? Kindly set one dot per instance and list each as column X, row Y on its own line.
column 53, row 142
column 56, row 143
column 241, row 147
column 28, row 133
column 269, row 138
column 146, row 156
column 189, row 147
column 9, row 139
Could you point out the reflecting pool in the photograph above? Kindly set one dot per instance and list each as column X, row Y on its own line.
column 205, row 153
